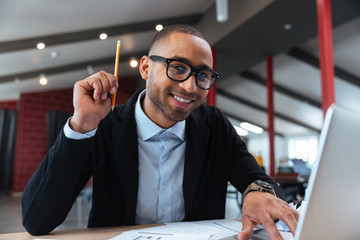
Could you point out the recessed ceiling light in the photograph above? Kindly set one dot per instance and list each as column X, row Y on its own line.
column 43, row 80
column 133, row 62
column 159, row 27
column 40, row 45
column 287, row 26
column 103, row 36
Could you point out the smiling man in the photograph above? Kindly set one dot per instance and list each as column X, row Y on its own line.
column 168, row 102
column 160, row 157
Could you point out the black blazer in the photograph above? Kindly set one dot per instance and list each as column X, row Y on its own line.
column 214, row 155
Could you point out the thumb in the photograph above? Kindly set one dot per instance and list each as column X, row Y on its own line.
column 247, row 229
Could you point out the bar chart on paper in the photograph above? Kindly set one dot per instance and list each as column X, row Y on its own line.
column 199, row 230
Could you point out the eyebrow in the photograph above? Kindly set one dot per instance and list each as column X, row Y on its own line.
column 188, row 62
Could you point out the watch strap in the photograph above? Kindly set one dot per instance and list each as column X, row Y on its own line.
column 255, row 187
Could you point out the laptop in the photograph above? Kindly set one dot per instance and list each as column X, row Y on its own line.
column 332, row 211
column 333, row 193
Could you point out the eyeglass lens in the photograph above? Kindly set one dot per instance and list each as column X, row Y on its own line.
column 180, row 71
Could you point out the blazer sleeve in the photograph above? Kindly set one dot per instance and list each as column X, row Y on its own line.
column 53, row 188
column 244, row 168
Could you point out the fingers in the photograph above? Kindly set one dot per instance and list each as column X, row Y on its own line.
column 102, row 84
column 271, row 228
column 247, row 229
column 283, row 212
column 264, row 208
column 290, row 217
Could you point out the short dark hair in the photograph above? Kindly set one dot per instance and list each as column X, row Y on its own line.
column 180, row 28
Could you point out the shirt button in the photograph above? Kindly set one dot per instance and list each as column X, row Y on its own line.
column 163, row 213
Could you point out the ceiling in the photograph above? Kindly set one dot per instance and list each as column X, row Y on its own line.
column 254, row 30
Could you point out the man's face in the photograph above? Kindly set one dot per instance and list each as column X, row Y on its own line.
column 167, row 101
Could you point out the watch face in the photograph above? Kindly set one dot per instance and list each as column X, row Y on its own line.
column 264, row 184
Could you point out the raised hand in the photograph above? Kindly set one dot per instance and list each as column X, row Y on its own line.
column 92, row 100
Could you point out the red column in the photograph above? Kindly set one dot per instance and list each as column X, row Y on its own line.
column 270, row 107
column 326, row 53
column 211, row 98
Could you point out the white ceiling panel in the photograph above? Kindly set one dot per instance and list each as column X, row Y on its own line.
column 260, row 118
column 283, row 104
column 12, row 90
column 241, row 110
column 347, row 95
column 27, row 60
column 346, row 41
column 293, row 74
column 25, row 19
column 239, row 86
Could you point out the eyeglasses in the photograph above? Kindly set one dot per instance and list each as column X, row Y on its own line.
column 180, row 71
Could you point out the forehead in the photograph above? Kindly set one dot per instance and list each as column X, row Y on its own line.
column 182, row 45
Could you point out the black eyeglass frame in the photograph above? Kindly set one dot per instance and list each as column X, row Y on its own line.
column 157, row 58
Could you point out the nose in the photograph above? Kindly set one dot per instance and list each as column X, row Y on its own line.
column 189, row 84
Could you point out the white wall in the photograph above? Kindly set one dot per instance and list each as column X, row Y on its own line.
column 260, row 146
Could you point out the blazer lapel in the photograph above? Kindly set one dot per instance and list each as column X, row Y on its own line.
column 126, row 151
column 197, row 135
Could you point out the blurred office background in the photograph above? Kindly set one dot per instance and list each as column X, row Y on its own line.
column 61, row 42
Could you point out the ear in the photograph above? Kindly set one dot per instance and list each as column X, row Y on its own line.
column 144, row 67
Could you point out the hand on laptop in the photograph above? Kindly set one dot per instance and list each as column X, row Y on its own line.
column 264, row 208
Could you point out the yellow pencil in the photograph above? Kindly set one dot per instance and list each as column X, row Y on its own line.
column 116, row 71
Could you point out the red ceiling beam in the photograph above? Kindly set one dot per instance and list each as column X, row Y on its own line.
column 326, row 53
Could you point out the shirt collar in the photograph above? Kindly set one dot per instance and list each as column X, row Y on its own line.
column 147, row 128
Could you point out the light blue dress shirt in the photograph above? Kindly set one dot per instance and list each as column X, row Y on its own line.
column 161, row 168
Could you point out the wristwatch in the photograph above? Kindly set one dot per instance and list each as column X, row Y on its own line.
column 261, row 186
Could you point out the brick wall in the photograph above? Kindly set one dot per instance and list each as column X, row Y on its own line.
column 31, row 138
column 10, row 105
column 31, row 141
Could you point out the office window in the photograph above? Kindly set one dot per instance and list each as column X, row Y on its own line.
column 304, row 148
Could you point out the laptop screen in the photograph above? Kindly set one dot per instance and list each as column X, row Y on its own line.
column 333, row 194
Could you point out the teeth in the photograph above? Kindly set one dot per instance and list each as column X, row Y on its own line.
column 182, row 99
